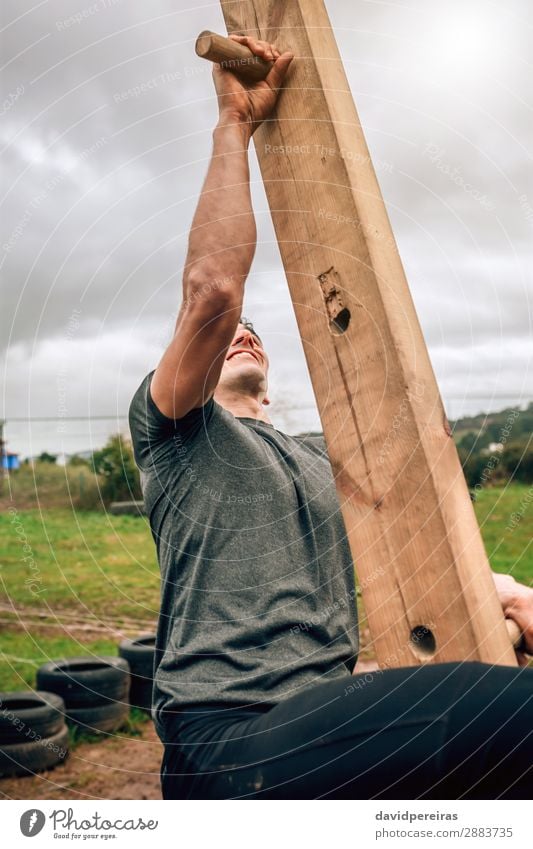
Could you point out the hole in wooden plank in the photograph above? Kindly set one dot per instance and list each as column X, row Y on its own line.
column 338, row 315
column 339, row 324
column 422, row 642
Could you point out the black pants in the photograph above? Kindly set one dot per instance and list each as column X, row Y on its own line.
column 445, row 731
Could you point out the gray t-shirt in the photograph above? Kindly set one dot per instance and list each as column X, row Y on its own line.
column 258, row 593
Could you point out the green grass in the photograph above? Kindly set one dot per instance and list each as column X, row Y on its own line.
column 88, row 577
column 509, row 543
column 22, row 651
column 91, row 563
column 95, row 571
column 132, row 727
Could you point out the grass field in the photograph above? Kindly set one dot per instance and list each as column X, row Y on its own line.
column 90, row 578
column 87, row 580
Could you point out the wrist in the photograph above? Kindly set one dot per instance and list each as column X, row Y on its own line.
column 232, row 124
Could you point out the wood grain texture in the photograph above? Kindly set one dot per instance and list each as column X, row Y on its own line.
column 420, row 560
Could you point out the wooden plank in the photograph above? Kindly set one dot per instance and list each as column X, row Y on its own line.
column 425, row 577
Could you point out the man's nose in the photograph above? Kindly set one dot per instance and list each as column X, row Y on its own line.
column 245, row 339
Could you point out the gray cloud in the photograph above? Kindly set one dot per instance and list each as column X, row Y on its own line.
column 106, row 132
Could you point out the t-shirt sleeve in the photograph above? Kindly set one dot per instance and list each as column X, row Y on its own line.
column 154, row 435
column 315, row 441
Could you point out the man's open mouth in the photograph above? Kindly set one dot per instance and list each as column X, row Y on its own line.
column 241, row 352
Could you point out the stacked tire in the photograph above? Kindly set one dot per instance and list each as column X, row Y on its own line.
column 139, row 653
column 95, row 690
column 33, row 733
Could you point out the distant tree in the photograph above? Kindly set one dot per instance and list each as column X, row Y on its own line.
column 45, row 457
column 468, row 442
column 474, row 468
column 76, row 460
column 115, row 463
column 517, row 460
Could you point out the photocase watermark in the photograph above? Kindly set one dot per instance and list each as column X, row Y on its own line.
column 32, row 822
column 436, row 154
column 179, row 75
column 73, row 325
column 348, row 221
column 166, row 78
column 65, row 824
column 340, row 604
column 225, row 498
column 220, row 496
column 47, row 189
column 10, row 100
column 324, row 152
column 209, row 491
column 85, row 14
column 206, row 289
column 517, row 516
column 181, row 451
column 325, row 613
column 400, row 419
column 29, row 733
column 392, row 660
column 526, row 207
column 34, row 580
column 65, row 819
column 495, row 458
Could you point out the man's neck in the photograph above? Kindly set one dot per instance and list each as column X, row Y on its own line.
column 242, row 406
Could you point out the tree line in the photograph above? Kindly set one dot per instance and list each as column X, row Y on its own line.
column 493, row 448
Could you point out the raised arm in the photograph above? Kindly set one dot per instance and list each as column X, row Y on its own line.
column 221, row 244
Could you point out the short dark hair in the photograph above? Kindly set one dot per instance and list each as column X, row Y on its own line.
column 249, row 326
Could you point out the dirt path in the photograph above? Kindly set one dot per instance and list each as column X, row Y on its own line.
column 117, row 768
column 72, row 621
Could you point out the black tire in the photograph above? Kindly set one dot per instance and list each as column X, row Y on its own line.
column 26, row 713
column 139, row 653
column 27, row 758
column 99, row 719
column 84, row 681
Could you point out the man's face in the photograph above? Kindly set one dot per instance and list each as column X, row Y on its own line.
column 246, row 363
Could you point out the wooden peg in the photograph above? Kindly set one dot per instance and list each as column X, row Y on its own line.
column 232, row 56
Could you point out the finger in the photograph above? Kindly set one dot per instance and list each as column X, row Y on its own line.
column 258, row 47
column 276, row 76
column 262, row 49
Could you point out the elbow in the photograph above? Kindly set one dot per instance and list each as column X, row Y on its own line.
column 207, row 291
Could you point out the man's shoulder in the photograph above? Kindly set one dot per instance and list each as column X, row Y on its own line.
column 313, row 440
column 155, row 436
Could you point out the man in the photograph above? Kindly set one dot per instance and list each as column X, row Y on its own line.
column 257, row 634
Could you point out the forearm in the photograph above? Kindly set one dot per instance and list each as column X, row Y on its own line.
column 221, row 243
column 223, row 233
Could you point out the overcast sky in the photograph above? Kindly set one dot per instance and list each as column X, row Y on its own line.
column 100, row 179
